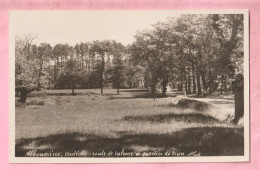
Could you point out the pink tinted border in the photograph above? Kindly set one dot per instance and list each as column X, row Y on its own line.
column 254, row 10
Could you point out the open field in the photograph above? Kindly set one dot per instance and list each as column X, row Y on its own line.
column 131, row 121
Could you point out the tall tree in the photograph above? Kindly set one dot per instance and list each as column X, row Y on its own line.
column 71, row 75
column 118, row 67
column 26, row 70
column 42, row 54
column 100, row 49
column 61, row 53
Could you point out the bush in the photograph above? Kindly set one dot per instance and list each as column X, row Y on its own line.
column 35, row 102
column 19, row 104
column 37, row 94
column 192, row 104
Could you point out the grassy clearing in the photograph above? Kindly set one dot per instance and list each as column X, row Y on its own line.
column 131, row 121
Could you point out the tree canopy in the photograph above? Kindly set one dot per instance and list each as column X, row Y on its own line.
column 194, row 53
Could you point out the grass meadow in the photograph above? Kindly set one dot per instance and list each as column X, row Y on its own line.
column 55, row 120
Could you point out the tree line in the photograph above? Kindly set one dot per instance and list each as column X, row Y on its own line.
column 86, row 65
column 193, row 53
column 197, row 52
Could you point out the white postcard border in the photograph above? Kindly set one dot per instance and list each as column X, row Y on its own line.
column 245, row 158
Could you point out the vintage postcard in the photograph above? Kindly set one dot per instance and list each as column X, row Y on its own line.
column 104, row 86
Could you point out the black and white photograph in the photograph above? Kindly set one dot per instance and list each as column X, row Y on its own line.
column 101, row 86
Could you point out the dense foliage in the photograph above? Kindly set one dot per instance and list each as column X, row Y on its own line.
column 195, row 53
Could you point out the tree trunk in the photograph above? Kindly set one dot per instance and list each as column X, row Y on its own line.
column 154, row 87
column 23, row 96
column 101, row 85
column 118, row 86
column 239, row 104
column 39, row 77
column 189, row 88
column 147, row 85
column 194, row 84
column 147, row 82
column 181, row 86
column 73, row 87
column 186, row 88
column 55, row 72
column 204, row 82
column 185, row 79
column 225, row 83
column 101, row 73
column 193, row 79
column 198, row 83
column 238, row 88
column 221, row 88
column 164, row 85
column 89, row 65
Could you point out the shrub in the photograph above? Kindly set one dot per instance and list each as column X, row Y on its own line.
column 37, row 94
column 35, row 102
column 193, row 104
column 19, row 104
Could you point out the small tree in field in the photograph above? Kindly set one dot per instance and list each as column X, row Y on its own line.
column 71, row 74
column 118, row 72
column 26, row 68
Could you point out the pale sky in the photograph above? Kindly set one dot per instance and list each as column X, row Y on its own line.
column 81, row 26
